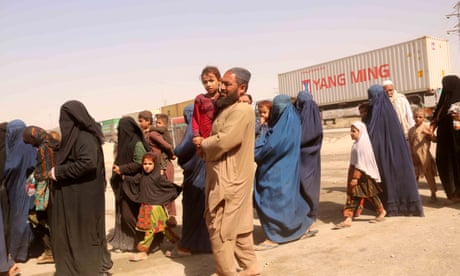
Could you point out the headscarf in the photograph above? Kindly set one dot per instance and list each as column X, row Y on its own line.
column 74, row 117
column 450, row 94
column 129, row 134
column 152, row 188
column 281, row 104
column 400, row 195
column 46, row 145
column 362, row 154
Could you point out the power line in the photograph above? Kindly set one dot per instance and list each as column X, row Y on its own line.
column 456, row 13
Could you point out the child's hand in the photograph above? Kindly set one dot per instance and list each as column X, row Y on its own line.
column 352, row 185
column 354, row 182
column 116, row 169
column 197, row 141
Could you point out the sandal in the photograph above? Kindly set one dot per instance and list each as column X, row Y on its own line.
column 265, row 246
column 137, row 257
column 309, row 234
column 177, row 253
column 342, row 225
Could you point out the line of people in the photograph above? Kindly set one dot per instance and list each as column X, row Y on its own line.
column 53, row 189
column 231, row 163
column 389, row 161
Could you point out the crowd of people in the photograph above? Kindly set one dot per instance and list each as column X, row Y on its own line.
column 233, row 160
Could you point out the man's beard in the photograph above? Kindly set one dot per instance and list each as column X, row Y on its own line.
column 224, row 102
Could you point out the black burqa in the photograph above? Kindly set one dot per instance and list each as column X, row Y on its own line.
column 78, row 210
column 448, row 146
column 125, row 236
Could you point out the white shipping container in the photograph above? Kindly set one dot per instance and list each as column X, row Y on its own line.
column 414, row 66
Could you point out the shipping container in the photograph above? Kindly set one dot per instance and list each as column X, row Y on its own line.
column 177, row 109
column 416, row 68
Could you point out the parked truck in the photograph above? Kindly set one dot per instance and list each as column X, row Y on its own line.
column 416, row 68
column 109, row 129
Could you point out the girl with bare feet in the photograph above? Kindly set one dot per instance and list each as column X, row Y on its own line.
column 363, row 176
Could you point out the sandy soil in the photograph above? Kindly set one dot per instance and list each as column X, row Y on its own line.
column 398, row 246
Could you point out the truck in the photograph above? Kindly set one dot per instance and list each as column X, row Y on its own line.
column 109, row 129
column 416, row 68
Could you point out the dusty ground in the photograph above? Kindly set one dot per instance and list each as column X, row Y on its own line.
column 397, row 246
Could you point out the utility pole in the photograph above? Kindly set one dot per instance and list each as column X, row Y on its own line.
column 456, row 13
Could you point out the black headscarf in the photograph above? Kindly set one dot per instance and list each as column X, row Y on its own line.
column 129, row 133
column 450, row 94
column 152, row 188
column 74, row 117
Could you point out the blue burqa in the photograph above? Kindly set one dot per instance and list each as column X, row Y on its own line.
column 310, row 149
column 400, row 195
column 5, row 260
column 195, row 235
column 280, row 206
column 20, row 161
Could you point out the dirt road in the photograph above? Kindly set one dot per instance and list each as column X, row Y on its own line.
column 397, row 246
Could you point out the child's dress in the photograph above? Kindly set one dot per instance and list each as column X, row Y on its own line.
column 152, row 191
column 363, row 167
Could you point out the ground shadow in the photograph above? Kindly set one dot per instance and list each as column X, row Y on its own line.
column 330, row 212
column 197, row 264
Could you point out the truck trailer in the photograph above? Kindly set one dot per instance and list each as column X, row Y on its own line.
column 416, row 68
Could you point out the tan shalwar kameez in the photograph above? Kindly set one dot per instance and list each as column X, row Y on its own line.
column 424, row 163
column 230, row 168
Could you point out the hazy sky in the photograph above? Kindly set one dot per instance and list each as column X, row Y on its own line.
column 125, row 56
